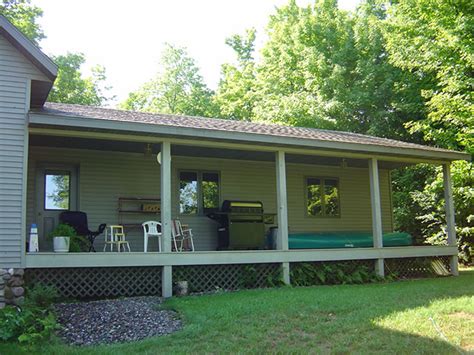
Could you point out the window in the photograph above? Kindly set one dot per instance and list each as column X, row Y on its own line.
column 322, row 197
column 188, row 193
column 56, row 190
column 198, row 192
column 210, row 192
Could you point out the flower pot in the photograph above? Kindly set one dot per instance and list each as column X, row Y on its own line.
column 61, row 244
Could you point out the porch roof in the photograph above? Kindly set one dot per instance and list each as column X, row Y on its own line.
column 88, row 117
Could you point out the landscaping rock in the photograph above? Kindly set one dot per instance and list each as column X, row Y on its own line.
column 18, row 272
column 16, row 281
column 112, row 321
column 7, row 277
column 8, row 294
column 3, row 272
column 18, row 291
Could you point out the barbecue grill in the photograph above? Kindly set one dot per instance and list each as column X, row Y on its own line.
column 241, row 225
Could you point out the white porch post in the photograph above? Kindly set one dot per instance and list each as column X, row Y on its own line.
column 282, row 237
column 166, row 275
column 376, row 212
column 450, row 223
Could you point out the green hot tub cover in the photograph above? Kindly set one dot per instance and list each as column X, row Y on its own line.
column 329, row 240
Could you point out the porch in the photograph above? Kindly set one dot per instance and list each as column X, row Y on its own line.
column 110, row 166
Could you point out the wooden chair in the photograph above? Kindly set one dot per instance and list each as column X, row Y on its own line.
column 115, row 236
column 150, row 229
column 181, row 236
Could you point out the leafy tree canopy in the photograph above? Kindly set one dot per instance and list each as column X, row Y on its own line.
column 178, row 89
column 24, row 16
column 437, row 38
column 71, row 87
column 236, row 92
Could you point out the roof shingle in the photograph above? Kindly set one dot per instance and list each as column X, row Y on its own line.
column 70, row 110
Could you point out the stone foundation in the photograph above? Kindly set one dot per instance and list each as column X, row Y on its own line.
column 11, row 287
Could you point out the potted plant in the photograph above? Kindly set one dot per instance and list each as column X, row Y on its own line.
column 61, row 236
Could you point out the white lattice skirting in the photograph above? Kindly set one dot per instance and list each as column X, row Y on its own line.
column 102, row 282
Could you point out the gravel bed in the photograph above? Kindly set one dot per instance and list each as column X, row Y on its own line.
column 113, row 321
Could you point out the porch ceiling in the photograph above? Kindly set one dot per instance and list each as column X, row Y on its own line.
column 198, row 151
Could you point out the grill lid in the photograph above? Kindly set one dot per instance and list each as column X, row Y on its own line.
column 230, row 206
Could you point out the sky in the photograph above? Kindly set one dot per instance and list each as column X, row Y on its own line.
column 127, row 37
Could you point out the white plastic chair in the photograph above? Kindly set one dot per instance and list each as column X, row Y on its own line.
column 181, row 235
column 150, row 229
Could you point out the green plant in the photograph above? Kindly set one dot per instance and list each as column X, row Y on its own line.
column 248, row 278
column 41, row 296
column 308, row 274
column 78, row 244
column 63, row 230
column 34, row 321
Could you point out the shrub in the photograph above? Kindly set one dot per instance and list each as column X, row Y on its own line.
column 308, row 274
column 41, row 296
column 78, row 244
column 32, row 322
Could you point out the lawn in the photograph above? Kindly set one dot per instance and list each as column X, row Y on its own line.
column 419, row 316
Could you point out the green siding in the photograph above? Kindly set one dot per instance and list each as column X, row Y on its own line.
column 105, row 176
column 15, row 72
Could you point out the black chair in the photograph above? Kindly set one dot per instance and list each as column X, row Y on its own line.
column 78, row 221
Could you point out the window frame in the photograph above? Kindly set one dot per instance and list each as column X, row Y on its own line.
column 200, row 196
column 323, row 199
column 53, row 172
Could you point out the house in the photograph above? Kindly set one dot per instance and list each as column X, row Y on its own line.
column 310, row 180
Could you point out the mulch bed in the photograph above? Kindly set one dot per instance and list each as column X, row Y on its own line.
column 114, row 321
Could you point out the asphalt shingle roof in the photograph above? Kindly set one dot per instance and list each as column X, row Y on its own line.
column 214, row 124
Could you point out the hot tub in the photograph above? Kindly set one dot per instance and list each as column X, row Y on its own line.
column 330, row 240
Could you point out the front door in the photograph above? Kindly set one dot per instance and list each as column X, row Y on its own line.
column 56, row 187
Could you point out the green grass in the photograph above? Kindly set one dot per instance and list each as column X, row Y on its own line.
column 420, row 316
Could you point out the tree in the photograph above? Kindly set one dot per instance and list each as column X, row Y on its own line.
column 382, row 97
column 325, row 68
column 70, row 87
column 437, row 38
column 179, row 89
column 305, row 55
column 23, row 16
column 236, row 92
column 432, row 217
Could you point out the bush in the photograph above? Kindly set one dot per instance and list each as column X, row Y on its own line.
column 41, row 296
column 34, row 321
column 433, row 218
column 309, row 274
column 78, row 244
